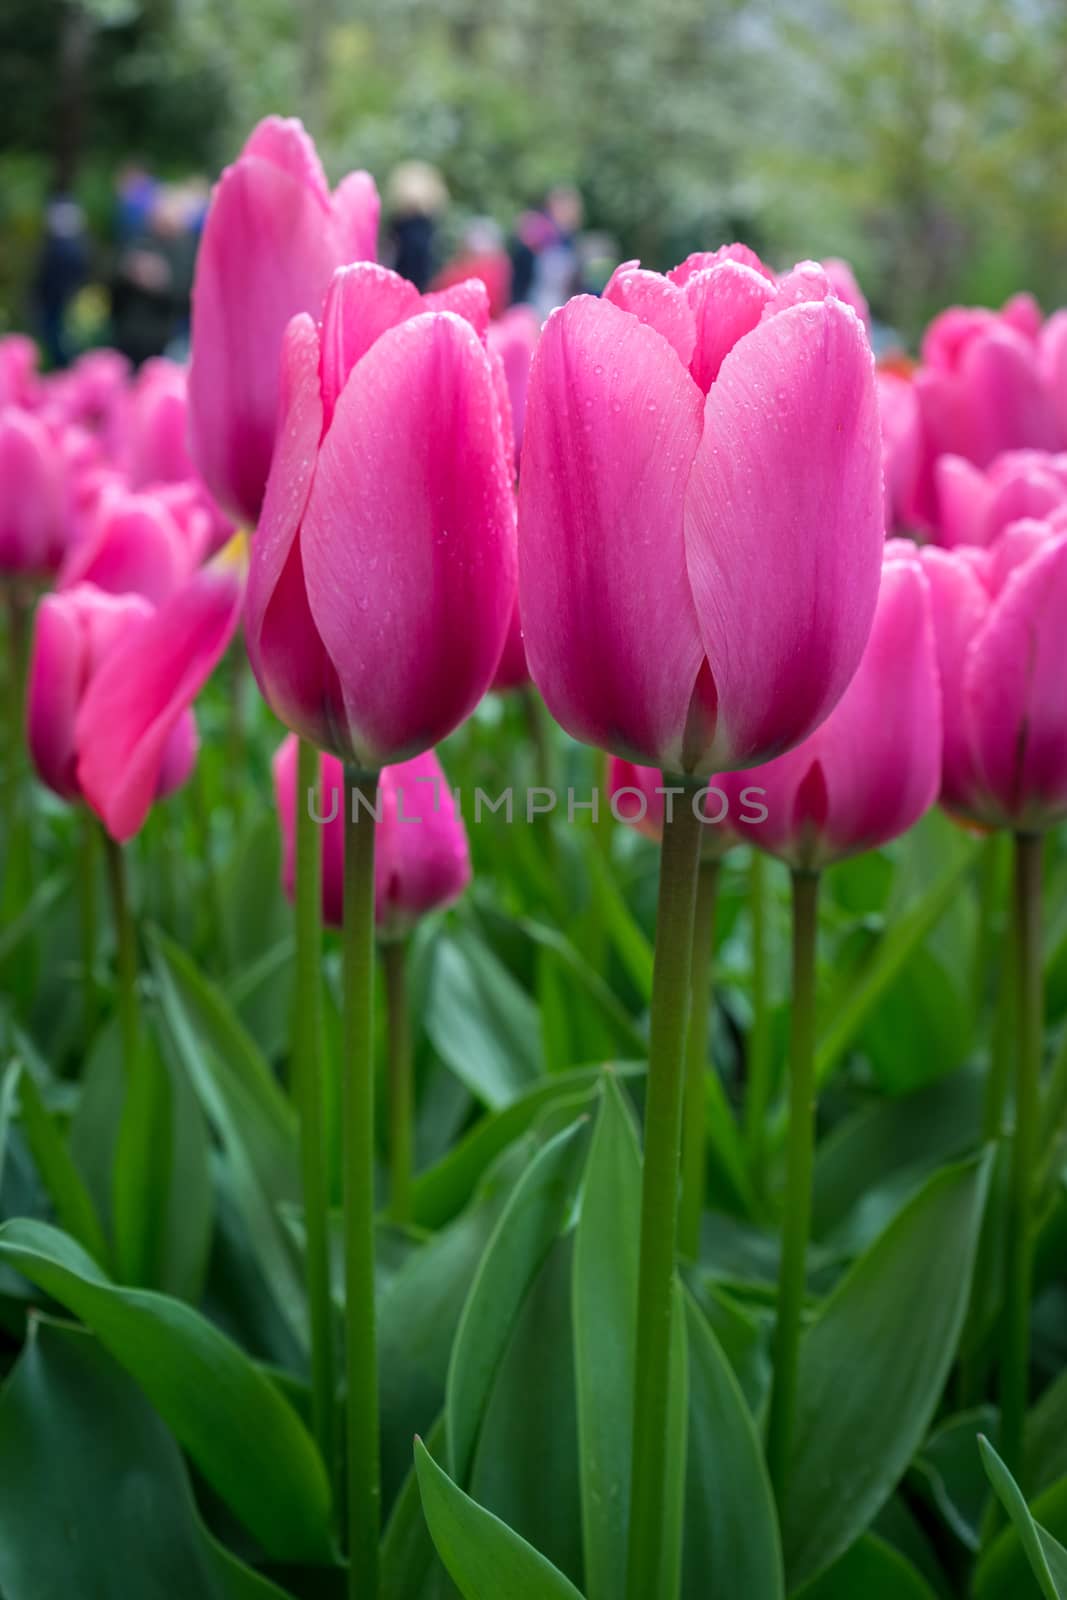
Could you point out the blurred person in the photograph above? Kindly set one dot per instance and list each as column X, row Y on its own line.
column 62, row 269
column 135, row 194
column 415, row 197
column 545, row 252
column 481, row 255
column 152, row 284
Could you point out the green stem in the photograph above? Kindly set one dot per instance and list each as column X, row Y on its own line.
column 236, row 721
column 1002, row 1045
column 125, row 950
column 1019, row 1270
column 364, row 1487
column 796, row 1225
column 87, row 918
column 986, row 941
column 309, row 1095
column 17, row 640
column 693, row 1140
column 659, row 1196
column 758, row 1097
column 401, row 1083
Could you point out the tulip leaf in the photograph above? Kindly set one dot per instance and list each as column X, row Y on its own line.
column 605, row 1337
column 870, row 1570
column 731, row 1529
column 902, row 1305
column 410, row 1567
column 485, row 1557
column 533, row 1218
column 481, row 1022
column 64, row 1183
column 89, row 1471
column 1005, row 1570
column 1047, row 1557
column 247, row 1110
column 242, row 1434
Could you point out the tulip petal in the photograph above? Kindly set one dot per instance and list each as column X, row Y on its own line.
column 363, row 300
column 356, row 209
column 285, row 143
column 1014, row 692
column 728, row 301
column 142, row 690
column 701, row 260
column 57, row 672
column 135, row 548
column 784, row 526
column 469, row 299
column 655, row 300
column 408, row 538
column 612, row 427
column 959, row 603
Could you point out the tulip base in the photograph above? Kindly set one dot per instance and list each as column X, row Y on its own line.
column 659, row 1193
column 1019, row 1267
column 800, row 1158
column 309, row 1094
column 361, row 1365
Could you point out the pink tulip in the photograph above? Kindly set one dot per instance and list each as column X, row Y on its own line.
column 512, row 670
column 91, row 394
column 975, row 506
column 899, row 411
column 514, row 339
column 154, row 448
column 637, row 797
column 873, row 768
column 18, row 371
column 112, row 681
column 701, row 513
column 1001, row 618
column 845, row 286
column 273, row 237
column 383, row 571
column 421, row 856
column 33, row 496
column 984, row 387
column 135, row 546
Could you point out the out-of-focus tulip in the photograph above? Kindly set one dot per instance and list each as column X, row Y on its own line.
column 383, row 572
column 637, row 797
column 701, row 511
column 33, row 498
column 421, row 855
column 874, row 767
column 1001, row 620
column 514, row 339
column 135, row 546
column 18, row 371
column 846, row 287
column 154, row 447
column 899, row 411
column 985, row 386
column 90, row 394
column 273, row 237
column 112, row 681
column 974, row 507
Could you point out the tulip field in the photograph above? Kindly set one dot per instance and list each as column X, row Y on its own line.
column 533, row 938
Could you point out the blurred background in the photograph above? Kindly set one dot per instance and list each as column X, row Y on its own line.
column 923, row 141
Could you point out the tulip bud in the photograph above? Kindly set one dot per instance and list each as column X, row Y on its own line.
column 383, row 572
column 873, row 768
column 701, row 514
column 1000, row 616
column 33, row 502
column 421, row 856
column 111, row 684
column 273, row 237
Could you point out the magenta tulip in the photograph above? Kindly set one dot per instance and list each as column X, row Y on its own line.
column 701, row 512
column 273, row 237
column 899, row 412
column 422, row 859
column 514, row 339
column 985, row 386
column 34, row 527
column 154, row 447
column 975, row 506
column 383, row 571
column 134, row 546
column 1001, row 618
column 19, row 383
column 874, row 767
column 112, row 681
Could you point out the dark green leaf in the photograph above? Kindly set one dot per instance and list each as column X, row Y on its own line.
column 64, row 1183
column 1047, row 1557
column 871, row 1570
column 481, row 1022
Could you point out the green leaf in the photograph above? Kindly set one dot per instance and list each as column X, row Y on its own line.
column 410, row 1568
column 97, row 1500
column 953, row 1474
column 899, row 943
column 532, row 1220
column 891, row 1328
column 143, row 1160
column 870, row 1570
column 605, row 1337
column 245, row 1438
column 481, row 1022
column 1047, row 1557
column 248, row 1111
column 731, row 1529
column 1046, row 1436
column 65, row 1185
column 8, row 1084
column 484, row 1556
column 633, row 948
column 1004, row 1571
